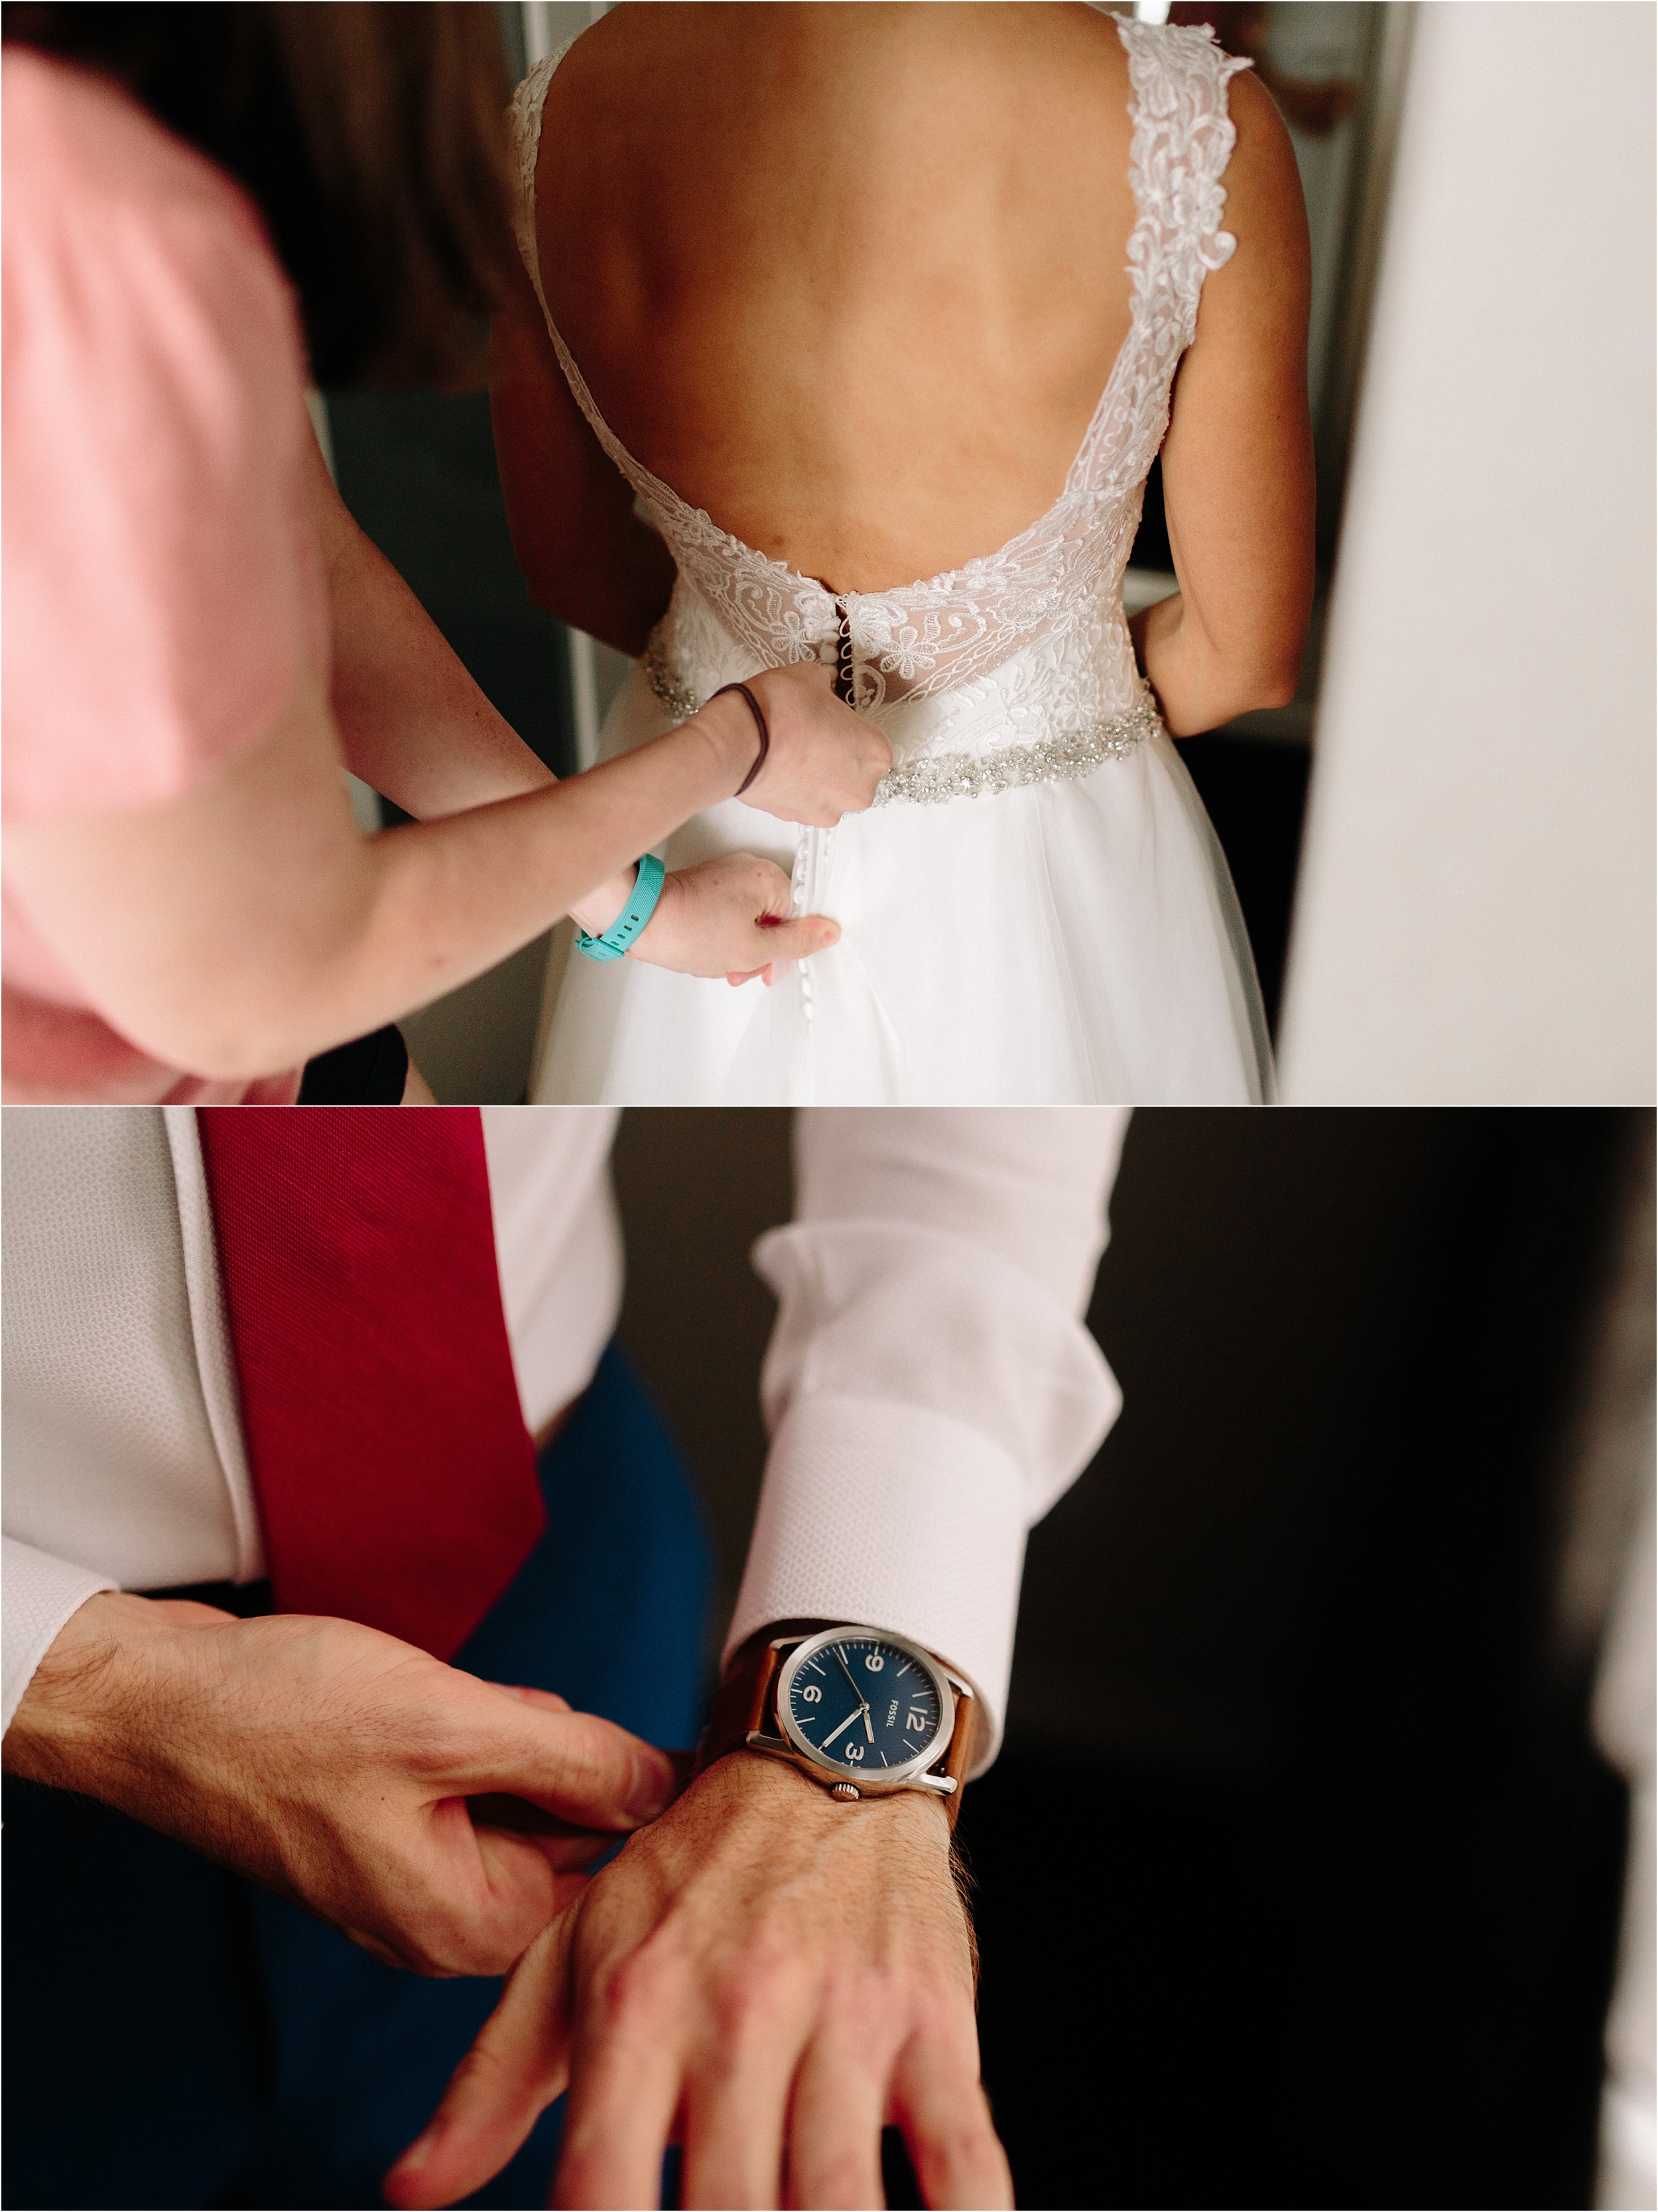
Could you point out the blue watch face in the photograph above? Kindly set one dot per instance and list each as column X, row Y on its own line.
column 864, row 1705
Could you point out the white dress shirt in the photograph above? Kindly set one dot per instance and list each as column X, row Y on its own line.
column 930, row 1388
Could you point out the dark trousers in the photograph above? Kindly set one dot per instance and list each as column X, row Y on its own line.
column 176, row 2037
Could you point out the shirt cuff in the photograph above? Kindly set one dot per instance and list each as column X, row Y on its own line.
column 38, row 1593
column 897, row 1517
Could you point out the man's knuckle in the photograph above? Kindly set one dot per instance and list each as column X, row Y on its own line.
column 742, row 2012
column 587, row 1755
column 864, row 2012
column 610, row 1995
column 632, row 1990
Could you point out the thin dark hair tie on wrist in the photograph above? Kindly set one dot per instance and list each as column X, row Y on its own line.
column 759, row 724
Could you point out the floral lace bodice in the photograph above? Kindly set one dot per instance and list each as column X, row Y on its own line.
column 1029, row 642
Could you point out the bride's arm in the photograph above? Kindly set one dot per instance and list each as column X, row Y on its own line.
column 1238, row 458
column 586, row 556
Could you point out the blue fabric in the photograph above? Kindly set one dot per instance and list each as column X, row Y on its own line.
column 179, row 2038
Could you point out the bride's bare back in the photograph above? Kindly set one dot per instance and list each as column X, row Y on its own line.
column 852, row 279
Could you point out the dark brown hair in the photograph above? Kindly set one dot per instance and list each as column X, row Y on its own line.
column 370, row 135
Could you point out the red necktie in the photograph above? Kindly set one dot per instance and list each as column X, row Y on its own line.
column 395, row 1480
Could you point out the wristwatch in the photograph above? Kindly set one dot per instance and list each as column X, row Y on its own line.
column 858, row 1709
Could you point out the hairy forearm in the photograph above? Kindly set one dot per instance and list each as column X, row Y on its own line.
column 1200, row 684
column 78, row 1725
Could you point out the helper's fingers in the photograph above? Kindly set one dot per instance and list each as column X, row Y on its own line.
column 788, row 936
column 800, row 938
column 834, row 2128
column 946, row 2119
column 517, row 2066
column 584, row 1770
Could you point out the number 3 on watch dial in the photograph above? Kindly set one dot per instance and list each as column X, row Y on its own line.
column 862, row 1702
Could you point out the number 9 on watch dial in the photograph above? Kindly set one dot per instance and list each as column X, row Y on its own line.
column 868, row 1704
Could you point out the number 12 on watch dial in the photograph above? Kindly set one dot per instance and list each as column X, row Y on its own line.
column 864, row 1703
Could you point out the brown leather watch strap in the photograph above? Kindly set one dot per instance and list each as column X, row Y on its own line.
column 745, row 1705
column 958, row 1760
column 742, row 1704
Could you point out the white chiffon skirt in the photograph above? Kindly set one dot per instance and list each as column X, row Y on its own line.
column 1063, row 943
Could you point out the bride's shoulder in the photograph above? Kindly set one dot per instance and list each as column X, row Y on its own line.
column 1262, row 183
column 1227, row 120
column 1258, row 280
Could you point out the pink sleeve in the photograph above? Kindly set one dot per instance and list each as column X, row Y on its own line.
column 160, row 589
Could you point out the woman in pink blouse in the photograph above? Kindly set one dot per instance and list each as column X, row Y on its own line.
column 197, row 637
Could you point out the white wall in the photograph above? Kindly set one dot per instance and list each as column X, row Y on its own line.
column 1475, row 920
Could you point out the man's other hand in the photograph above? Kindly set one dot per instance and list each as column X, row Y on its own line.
column 766, row 1977
column 333, row 1764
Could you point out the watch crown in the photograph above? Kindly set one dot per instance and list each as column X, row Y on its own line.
column 846, row 1791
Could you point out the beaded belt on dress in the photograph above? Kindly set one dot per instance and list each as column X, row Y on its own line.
column 940, row 776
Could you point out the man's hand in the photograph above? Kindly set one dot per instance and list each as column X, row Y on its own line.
column 766, row 1976
column 333, row 1764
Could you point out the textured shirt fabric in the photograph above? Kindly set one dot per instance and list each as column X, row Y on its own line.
column 931, row 1388
column 162, row 593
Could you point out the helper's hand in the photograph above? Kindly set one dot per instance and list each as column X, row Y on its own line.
column 332, row 1765
column 824, row 760
column 729, row 916
column 766, row 1976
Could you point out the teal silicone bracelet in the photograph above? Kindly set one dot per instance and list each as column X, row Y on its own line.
column 647, row 888
column 642, row 904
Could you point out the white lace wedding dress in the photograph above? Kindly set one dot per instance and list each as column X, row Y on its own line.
column 1036, row 910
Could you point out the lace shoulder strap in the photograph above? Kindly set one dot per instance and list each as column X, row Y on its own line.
column 524, row 122
column 524, row 119
column 1183, row 140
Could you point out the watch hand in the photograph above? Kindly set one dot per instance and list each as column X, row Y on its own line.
column 868, row 1725
column 834, row 1732
column 847, row 1671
